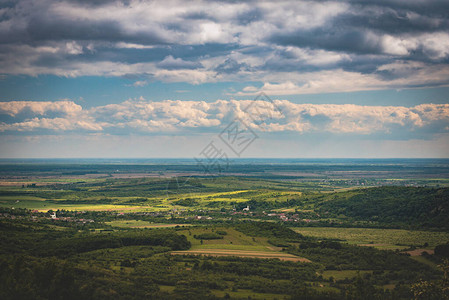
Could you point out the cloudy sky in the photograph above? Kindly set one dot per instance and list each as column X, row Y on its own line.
column 107, row 78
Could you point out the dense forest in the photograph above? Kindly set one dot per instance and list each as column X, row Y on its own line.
column 416, row 207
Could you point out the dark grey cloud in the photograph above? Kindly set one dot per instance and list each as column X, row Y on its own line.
column 48, row 28
column 171, row 63
column 361, row 28
column 290, row 65
column 391, row 21
column 100, row 2
column 32, row 22
column 254, row 14
column 197, row 51
column 434, row 8
column 254, row 40
column 363, row 64
column 332, row 39
column 231, row 66
column 199, row 15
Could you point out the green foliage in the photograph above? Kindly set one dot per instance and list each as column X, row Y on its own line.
column 186, row 202
column 416, row 207
column 43, row 241
column 131, row 264
column 25, row 277
column 424, row 290
column 208, row 236
column 442, row 250
column 335, row 256
column 363, row 289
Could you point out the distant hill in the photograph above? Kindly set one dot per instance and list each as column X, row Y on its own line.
column 414, row 206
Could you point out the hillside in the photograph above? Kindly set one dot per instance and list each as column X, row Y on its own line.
column 416, row 207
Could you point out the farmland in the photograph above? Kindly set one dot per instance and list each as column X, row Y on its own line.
column 233, row 243
column 260, row 231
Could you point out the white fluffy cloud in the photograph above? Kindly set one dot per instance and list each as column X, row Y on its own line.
column 57, row 116
column 191, row 117
column 14, row 108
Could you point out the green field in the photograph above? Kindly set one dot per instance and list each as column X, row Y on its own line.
column 44, row 206
column 234, row 243
column 379, row 238
column 233, row 240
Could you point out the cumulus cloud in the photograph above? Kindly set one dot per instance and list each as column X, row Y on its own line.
column 192, row 117
column 60, row 116
column 273, row 42
column 41, row 108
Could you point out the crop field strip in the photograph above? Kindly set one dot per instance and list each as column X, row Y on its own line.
column 240, row 253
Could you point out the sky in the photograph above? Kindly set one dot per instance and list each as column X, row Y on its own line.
column 202, row 79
